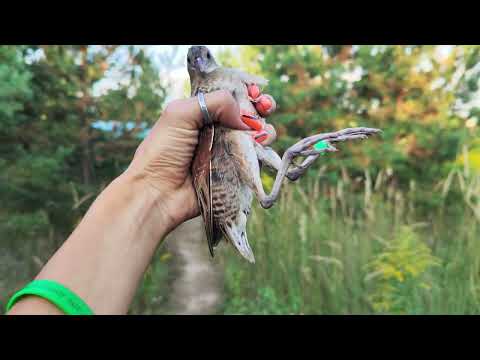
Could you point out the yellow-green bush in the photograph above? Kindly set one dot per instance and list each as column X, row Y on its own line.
column 400, row 267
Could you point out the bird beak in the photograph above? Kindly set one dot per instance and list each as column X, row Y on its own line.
column 200, row 64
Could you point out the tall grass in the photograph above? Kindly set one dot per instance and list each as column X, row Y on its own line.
column 362, row 246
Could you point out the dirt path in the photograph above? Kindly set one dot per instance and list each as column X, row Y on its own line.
column 197, row 280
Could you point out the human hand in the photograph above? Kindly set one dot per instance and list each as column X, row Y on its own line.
column 265, row 105
column 162, row 161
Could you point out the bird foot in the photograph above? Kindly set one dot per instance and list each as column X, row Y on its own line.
column 322, row 143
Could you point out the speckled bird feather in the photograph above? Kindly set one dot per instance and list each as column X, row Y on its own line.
column 224, row 165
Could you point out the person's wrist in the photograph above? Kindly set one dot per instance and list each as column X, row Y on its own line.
column 151, row 200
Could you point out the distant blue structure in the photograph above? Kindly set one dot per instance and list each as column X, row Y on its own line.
column 117, row 127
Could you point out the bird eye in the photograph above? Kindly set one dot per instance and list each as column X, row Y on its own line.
column 208, row 55
column 188, row 60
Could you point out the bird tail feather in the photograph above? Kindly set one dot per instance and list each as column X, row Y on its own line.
column 239, row 241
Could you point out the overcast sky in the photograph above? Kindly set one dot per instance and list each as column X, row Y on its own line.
column 171, row 62
column 174, row 64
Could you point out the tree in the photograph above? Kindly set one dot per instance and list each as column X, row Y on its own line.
column 70, row 120
column 413, row 93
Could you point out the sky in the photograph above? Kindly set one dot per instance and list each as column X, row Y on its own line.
column 172, row 65
column 171, row 62
column 175, row 70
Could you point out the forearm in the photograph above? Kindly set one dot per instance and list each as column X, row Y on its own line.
column 104, row 259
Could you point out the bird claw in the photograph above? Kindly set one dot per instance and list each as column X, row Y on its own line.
column 304, row 147
column 354, row 134
column 288, row 168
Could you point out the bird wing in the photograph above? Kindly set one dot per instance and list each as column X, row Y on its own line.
column 202, row 180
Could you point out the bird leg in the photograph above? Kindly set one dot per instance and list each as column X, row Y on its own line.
column 302, row 148
column 268, row 157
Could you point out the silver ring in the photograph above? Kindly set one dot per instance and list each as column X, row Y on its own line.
column 207, row 120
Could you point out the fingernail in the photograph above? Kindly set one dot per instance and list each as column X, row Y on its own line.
column 265, row 105
column 252, row 122
column 261, row 137
column 253, row 91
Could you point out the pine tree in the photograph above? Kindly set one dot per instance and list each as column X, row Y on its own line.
column 70, row 120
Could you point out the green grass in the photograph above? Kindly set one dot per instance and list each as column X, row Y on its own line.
column 362, row 247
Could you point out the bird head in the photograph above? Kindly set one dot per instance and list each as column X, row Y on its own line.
column 200, row 61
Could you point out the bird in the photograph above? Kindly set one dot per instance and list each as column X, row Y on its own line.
column 227, row 163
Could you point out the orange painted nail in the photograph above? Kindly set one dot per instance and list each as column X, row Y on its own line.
column 261, row 137
column 265, row 105
column 252, row 122
column 253, row 91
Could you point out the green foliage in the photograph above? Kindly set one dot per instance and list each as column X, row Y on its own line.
column 266, row 302
column 317, row 247
column 54, row 160
column 399, row 271
column 413, row 93
column 327, row 250
column 151, row 297
column 15, row 81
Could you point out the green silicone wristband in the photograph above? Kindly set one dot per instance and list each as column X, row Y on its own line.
column 65, row 299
